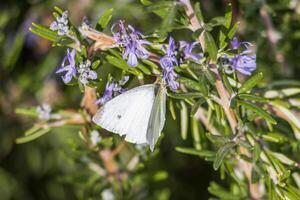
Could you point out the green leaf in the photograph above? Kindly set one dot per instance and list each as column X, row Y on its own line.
column 32, row 136
column 31, row 130
column 259, row 111
column 12, row 53
column 107, row 142
column 196, row 132
column 220, row 192
column 227, row 83
column 292, row 118
column 59, row 10
column 160, row 176
column 284, row 159
column 152, row 65
column 195, row 152
column 144, row 69
column 105, row 19
column 284, row 83
column 225, row 38
column 217, row 21
column 160, row 5
column 121, row 64
column 27, row 111
column 196, row 106
column 255, row 176
column 168, row 20
column 251, row 82
column 274, row 137
column 252, row 97
column 233, row 30
column 188, row 95
column 44, row 32
column 146, row 2
column 291, row 192
column 228, row 16
column 287, row 92
column 256, row 151
column 96, row 64
column 222, row 38
column 208, row 42
column 184, row 120
column 210, row 77
column 198, row 13
column 222, row 152
column 204, row 86
column 172, row 109
column 189, row 83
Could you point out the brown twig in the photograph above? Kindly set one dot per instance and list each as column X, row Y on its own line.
column 225, row 99
column 200, row 115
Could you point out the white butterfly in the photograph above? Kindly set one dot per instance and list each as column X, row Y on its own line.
column 139, row 114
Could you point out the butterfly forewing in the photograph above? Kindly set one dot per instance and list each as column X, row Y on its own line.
column 128, row 114
column 157, row 117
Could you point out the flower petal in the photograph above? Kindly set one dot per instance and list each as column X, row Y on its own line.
column 132, row 60
column 92, row 75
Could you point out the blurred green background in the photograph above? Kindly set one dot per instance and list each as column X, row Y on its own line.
column 50, row 167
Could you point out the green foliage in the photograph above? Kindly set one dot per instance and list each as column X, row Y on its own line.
column 105, row 19
column 44, row 32
column 251, row 82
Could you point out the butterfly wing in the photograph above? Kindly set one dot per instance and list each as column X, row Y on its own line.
column 157, row 117
column 128, row 114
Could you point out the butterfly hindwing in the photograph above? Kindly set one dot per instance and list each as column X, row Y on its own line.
column 157, row 117
column 128, row 114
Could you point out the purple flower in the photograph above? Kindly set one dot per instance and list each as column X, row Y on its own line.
column 44, row 112
column 70, row 68
column 112, row 89
column 187, row 49
column 133, row 43
column 61, row 24
column 245, row 62
column 108, row 93
column 167, row 63
column 235, row 43
column 85, row 73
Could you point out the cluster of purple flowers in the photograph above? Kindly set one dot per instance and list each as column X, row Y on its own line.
column 61, row 24
column 187, row 49
column 245, row 62
column 112, row 89
column 167, row 63
column 169, row 60
column 44, row 112
column 70, row 69
column 132, row 41
column 84, row 71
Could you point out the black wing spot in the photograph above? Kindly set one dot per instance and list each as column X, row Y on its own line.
column 119, row 116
